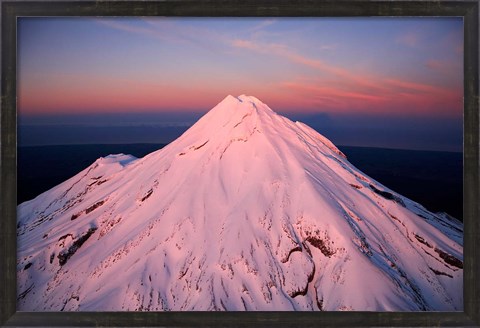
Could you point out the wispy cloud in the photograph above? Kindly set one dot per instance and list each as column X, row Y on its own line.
column 435, row 64
column 262, row 25
column 168, row 30
column 419, row 88
column 334, row 85
column 186, row 32
column 409, row 39
column 122, row 26
column 453, row 41
column 386, row 94
column 442, row 66
column 329, row 47
column 282, row 50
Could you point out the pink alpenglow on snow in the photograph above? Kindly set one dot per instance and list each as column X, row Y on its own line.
column 246, row 210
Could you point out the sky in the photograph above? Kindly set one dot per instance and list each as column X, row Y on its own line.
column 384, row 82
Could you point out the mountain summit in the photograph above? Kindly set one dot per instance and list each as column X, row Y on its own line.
column 246, row 210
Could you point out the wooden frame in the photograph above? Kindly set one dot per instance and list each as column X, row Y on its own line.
column 469, row 10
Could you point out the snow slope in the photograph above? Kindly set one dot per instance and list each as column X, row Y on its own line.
column 246, row 210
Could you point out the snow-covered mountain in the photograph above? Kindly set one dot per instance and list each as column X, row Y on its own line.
column 247, row 210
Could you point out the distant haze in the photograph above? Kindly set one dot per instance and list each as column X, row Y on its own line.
column 383, row 82
column 418, row 133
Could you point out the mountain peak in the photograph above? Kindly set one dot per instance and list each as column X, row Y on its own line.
column 234, row 113
column 250, row 99
column 243, row 102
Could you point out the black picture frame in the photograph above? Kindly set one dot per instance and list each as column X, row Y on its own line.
column 469, row 10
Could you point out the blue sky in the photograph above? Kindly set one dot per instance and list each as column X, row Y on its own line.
column 405, row 70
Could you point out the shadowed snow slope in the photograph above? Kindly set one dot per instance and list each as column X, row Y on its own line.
column 247, row 210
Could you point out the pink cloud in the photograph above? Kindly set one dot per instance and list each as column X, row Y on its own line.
column 396, row 95
column 435, row 64
column 294, row 57
column 333, row 91
column 453, row 41
column 408, row 39
column 347, row 90
column 416, row 88
column 322, row 96
column 449, row 69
